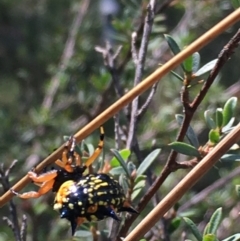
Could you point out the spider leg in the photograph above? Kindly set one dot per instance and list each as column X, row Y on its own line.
column 98, row 150
column 127, row 208
column 77, row 159
column 46, row 186
column 45, row 177
column 67, row 155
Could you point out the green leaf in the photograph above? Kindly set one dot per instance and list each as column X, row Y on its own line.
column 177, row 76
column 131, row 167
column 219, row 117
column 206, row 68
column 229, row 109
column 121, row 161
column 227, row 128
column 230, row 157
column 140, row 185
column 210, row 122
column 188, row 64
column 125, row 153
column 205, row 232
column 173, row 46
column 174, row 225
column 237, row 188
column 139, row 178
column 138, row 188
column 148, row 161
column 123, row 182
column 235, row 237
column 116, row 171
column 236, row 3
column 196, row 62
column 215, row 221
column 192, row 137
column 193, row 228
column 209, row 237
column 214, row 136
column 184, row 148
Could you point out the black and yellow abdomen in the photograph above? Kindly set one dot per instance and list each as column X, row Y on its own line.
column 93, row 197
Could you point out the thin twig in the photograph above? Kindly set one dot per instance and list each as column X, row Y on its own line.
column 134, row 48
column 139, row 69
column 116, row 131
column 165, row 4
column 66, row 55
column 13, row 222
column 144, row 107
column 110, row 58
column 24, row 228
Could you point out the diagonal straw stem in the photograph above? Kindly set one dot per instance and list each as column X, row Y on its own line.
column 183, row 186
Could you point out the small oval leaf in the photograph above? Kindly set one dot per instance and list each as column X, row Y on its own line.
column 138, row 188
column 192, row 137
column 177, row 76
column 188, row 63
column 219, row 117
column 184, row 148
column 131, row 167
column 227, row 128
column 121, row 161
column 148, row 161
column 210, row 122
column 123, row 182
column 139, row 178
column 193, row 228
column 173, row 46
column 116, row 171
column 196, row 62
column 229, row 109
column 230, row 157
column 214, row 136
column 174, row 225
column 206, row 68
column 125, row 153
column 235, row 237
column 209, row 237
column 215, row 221
column 237, row 188
column 205, row 232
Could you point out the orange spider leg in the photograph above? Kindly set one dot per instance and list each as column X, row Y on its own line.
column 45, row 177
column 45, row 181
column 77, row 159
column 45, row 187
column 98, row 150
column 66, row 161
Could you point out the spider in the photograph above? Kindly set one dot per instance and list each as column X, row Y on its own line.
column 79, row 197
